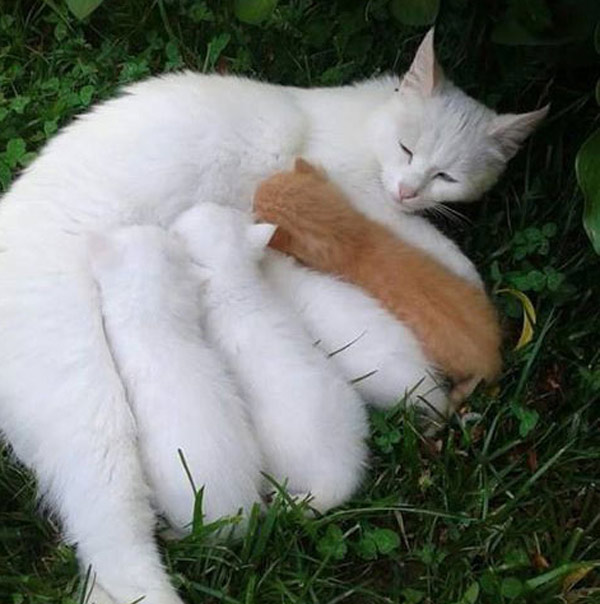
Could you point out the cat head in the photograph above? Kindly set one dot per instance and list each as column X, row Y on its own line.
column 216, row 235
column 436, row 144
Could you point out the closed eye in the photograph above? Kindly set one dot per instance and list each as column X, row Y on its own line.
column 445, row 176
column 407, row 151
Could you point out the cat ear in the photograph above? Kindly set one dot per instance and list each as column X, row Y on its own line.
column 301, row 166
column 260, row 234
column 511, row 129
column 425, row 73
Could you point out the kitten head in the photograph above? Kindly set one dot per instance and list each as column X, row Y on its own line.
column 436, row 144
column 216, row 235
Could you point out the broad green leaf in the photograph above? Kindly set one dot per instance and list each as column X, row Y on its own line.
column 529, row 316
column 511, row 588
column 15, row 150
column 332, row 544
column 412, row 596
column 587, row 167
column 82, row 8
column 489, row 582
column 254, row 11
column 415, row 12
column 387, row 540
column 528, row 418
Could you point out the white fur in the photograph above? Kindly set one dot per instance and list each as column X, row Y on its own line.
column 309, row 422
column 181, row 395
column 144, row 157
column 370, row 347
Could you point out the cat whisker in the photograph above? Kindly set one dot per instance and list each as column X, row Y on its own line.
column 455, row 215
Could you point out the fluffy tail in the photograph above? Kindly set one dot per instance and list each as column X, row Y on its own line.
column 63, row 409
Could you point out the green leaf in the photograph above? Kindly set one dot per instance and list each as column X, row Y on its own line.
column 50, row 127
column 587, row 167
column 15, row 150
column 82, row 8
column 86, row 94
column 332, row 545
column 489, row 582
column 511, row 588
column 412, row 596
column 19, row 103
column 528, row 418
column 387, row 540
column 471, row 595
column 5, row 175
column 254, row 11
column 415, row 12
column 215, row 47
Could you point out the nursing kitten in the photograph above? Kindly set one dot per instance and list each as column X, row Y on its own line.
column 143, row 158
column 454, row 319
column 180, row 394
column 372, row 349
column 310, row 424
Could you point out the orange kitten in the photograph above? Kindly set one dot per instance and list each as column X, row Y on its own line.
column 454, row 319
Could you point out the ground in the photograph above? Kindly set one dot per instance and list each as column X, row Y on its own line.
column 505, row 505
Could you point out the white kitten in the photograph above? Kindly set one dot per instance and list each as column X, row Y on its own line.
column 181, row 396
column 144, row 157
column 310, row 424
column 371, row 347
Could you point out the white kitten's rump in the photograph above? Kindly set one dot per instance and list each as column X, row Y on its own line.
column 64, row 409
column 310, row 424
column 183, row 400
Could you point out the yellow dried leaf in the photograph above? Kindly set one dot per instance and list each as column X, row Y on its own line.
column 529, row 316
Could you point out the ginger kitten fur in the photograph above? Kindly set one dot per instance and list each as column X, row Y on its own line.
column 454, row 319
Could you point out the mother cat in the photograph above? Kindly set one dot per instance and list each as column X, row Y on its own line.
column 165, row 144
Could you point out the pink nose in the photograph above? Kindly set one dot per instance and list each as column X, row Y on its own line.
column 405, row 192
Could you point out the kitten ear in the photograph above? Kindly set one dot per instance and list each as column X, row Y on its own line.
column 425, row 73
column 260, row 234
column 301, row 166
column 510, row 129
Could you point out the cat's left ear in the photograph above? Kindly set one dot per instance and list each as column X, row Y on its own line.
column 259, row 236
column 425, row 73
column 511, row 129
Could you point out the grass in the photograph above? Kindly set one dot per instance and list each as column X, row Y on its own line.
column 505, row 505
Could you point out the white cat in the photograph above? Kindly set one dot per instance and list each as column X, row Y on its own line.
column 310, row 424
column 181, row 396
column 145, row 157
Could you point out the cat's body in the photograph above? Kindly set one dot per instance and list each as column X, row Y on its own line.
column 453, row 318
column 151, row 306
column 309, row 422
column 144, row 157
